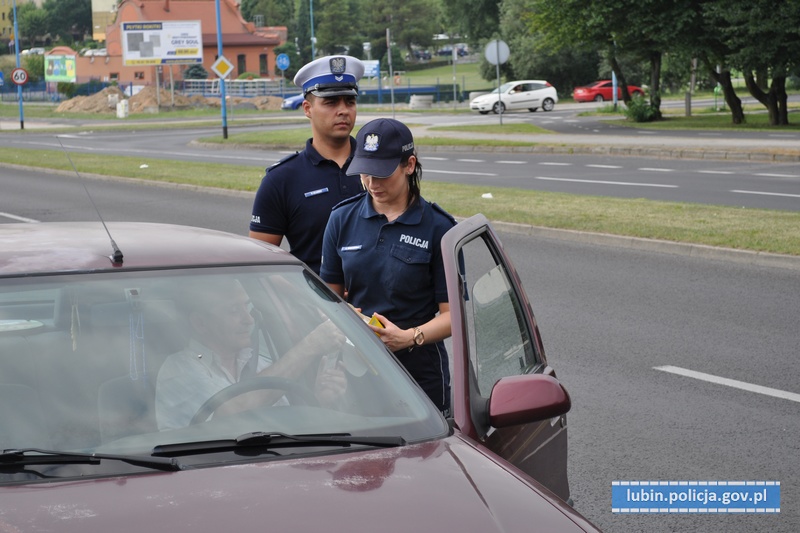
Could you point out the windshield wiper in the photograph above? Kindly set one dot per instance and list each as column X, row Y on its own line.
column 275, row 440
column 37, row 456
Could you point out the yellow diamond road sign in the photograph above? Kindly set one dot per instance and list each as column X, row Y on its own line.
column 222, row 67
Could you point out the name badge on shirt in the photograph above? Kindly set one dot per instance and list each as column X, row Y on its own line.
column 309, row 194
column 351, row 248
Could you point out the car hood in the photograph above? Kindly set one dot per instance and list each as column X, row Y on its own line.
column 445, row 485
column 490, row 97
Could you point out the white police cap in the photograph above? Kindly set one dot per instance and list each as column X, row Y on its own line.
column 330, row 76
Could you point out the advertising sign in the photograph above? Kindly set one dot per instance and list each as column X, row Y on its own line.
column 162, row 43
column 59, row 68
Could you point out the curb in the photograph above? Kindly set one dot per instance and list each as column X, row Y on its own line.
column 637, row 151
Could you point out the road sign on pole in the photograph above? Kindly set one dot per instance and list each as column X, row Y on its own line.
column 497, row 53
column 222, row 67
column 282, row 61
column 19, row 76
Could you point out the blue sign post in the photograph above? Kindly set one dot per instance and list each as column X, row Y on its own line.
column 16, row 52
column 282, row 62
column 223, row 99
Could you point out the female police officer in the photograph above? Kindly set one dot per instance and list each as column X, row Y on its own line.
column 383, row 248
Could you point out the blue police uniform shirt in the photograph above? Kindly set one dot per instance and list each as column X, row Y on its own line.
column 395, row 269
column 392, row 268
column 296, row 197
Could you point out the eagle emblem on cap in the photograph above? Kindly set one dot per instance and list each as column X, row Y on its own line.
column 338, row 66
column 371, row 142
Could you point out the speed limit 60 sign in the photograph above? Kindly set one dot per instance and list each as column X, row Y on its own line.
column 19, row 76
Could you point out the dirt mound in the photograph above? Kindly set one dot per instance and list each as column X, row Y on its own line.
column 147, row 101
column 262, row 103
column 103, row 102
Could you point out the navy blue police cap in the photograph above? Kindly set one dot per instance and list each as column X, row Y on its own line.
column 330, row 76
column 380, row 146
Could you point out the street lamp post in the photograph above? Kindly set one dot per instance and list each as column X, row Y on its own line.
column 313, row 39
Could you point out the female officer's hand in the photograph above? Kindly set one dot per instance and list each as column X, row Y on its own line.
column 392, row 336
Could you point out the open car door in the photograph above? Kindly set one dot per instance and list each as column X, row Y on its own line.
column 505, row 395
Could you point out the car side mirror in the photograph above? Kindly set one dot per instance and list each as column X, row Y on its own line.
column 527, row 398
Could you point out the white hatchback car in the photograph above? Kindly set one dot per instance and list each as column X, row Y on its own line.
column 523, row 94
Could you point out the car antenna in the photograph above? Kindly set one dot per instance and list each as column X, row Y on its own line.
column 116, row 257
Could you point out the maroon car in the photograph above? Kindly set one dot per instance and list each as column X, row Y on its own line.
column 99, row 364
column 603, row 90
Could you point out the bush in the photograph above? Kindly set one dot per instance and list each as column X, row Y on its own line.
column 67, row 89
column 247, row 76
column 34, row 64
column 640, row 110
column 195, row 72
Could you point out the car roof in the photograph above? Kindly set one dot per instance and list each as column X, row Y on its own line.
column 86, row 246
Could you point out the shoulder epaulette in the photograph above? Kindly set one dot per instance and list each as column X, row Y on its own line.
column 282, row 161
column 350, row 200
column 442, row 211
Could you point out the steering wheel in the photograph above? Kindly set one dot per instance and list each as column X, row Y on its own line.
column 300, row 393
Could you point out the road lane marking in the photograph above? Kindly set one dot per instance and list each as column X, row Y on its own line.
column 510, row 162
column 778, row 175
column 17, row 217
column 555, row 164
column 767, row 193
column 603, row 166
column 736, row 384
column 653, row 169
column 714, row 172
column 429, row 158
column 600, row 182
column 470, row 160
column 461, row 173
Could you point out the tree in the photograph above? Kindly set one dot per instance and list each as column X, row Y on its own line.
column 330, row 16
column 636, row 28
column 763, row 40
column 71, row 19
column 33, row 23
column 531, row 60
column 275, row 12
column 478, row 20
column 411, row 22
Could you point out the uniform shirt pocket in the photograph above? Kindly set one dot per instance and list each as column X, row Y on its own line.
column 408, row 268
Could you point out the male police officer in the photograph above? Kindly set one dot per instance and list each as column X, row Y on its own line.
column 297, row 193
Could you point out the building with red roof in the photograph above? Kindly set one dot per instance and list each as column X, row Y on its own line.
column 249, row 48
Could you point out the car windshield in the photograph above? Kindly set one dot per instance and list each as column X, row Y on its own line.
column 126, row 362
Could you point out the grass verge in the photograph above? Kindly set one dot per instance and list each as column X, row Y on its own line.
column 747, row 229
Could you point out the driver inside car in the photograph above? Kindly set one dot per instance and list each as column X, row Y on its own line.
column 220, row 354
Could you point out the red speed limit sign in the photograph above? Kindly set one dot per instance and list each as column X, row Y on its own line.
column 19, row 76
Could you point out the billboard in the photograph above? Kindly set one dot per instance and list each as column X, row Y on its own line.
column 161, row 43
column 59, row 68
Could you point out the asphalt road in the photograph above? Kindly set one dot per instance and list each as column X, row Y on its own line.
column 609, row 319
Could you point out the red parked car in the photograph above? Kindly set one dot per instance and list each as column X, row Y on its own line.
column 89, row 440
column 602, row 91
